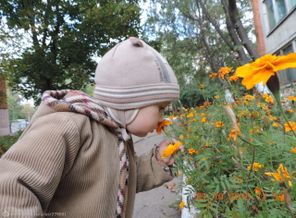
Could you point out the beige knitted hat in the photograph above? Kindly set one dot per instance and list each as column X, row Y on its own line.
column 133, row 75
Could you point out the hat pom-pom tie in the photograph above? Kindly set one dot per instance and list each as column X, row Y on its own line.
column 136, row 42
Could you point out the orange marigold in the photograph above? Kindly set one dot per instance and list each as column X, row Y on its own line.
column 255, row 166
column 290, row 111
column 280, row 197
column 282, row 175
column 292, row 98
column 234, row 133
column 162, row 124
column 171, row 149
column 276, row 124
column 248, row 97
column 190, row 115
column 233, row 78
column 293, row 150
column 203, row 119
column 219, row 124
column 291, row 126
column 213, row 75
column 192, row 151
column 223, row 71
column 263, row 68
column 259, row 193
column 268, row 98
column 181, row 204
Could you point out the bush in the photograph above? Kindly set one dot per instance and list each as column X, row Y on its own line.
column 239, row 157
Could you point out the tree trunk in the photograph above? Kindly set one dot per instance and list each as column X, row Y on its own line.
column 215, row 24
column 238, row 26
column 4, row 116
column 243, row 58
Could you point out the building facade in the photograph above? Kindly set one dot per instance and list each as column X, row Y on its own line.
column 278, row 19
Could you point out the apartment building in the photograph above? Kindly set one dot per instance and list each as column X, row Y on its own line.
column 278, row 24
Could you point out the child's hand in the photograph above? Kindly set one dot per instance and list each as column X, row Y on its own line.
column 162, row 150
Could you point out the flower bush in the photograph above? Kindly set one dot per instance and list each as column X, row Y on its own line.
column 240, row 157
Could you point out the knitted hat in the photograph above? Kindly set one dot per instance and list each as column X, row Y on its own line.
column 133, row 75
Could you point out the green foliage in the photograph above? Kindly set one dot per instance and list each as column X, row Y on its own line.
column 229, row 148
column 191, row 44
column 7, row 141
column 191, row 97
column 65, row 37
column 14, row 106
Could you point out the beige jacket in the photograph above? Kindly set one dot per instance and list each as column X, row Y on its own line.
column 67, row 165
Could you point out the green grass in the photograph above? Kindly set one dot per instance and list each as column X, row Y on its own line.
column 7, row 141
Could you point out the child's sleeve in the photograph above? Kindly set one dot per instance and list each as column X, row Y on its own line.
column 151, row 173
column 31, row 169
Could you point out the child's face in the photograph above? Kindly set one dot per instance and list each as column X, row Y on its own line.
column 147, row 119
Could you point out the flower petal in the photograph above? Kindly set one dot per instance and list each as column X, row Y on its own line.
column 284, row 62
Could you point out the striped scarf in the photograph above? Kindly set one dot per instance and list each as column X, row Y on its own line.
column 79, row 102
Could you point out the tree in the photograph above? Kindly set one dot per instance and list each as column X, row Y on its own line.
column 4, row 121
column 28, row 111
column 15, row 106
column 64, row 38
column 214, row 32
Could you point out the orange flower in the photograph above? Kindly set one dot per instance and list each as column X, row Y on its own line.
column 291, row 126
column 200, row 196
column 171, row 149
column 255, row 166
column 281, row 175
column 161, row 125
column 280, row 197
column 203, row 119
column 223, row 71
column 259, row 193
column 273, row 118
column 233, row 78
column 190, row 115
column 292, row 98
column 276, row 124
column 219, row 124
column 268, row 98
column 233, row 134
column 182, row 205
column 192, row 151
column 263, row 68
column 248, row 97
column 243, row 113
column 213, row 75
column 293, row 150
column 255, row 130
column 290, row 111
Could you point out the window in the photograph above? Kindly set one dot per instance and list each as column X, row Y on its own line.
column 270, row 13
column 292, row 3
column 281, row 8
column 287, row 76
column 277, row 10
